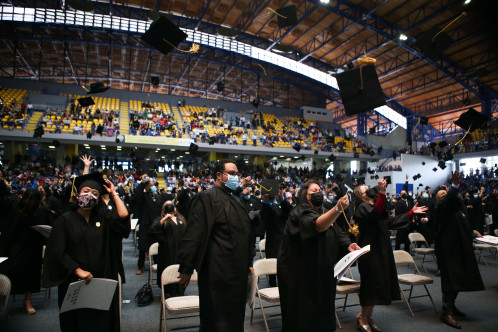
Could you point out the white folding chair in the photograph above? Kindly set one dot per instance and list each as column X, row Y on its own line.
column 480, row 247
column 179, row 305
column 262, row 248
column 265, row 267
column 415, row 240
column 153, row 251
column 412, row 279
column 496, row 232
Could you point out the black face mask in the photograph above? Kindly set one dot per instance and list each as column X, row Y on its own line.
column 317, row 199
column 168, row 208
column 404, row 196
column 371, row 193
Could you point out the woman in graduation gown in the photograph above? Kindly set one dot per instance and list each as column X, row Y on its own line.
column 82, row 246
column 454, row 251
column 311, row 245
column 379, row 279
column 23, row 246
column 168, row 231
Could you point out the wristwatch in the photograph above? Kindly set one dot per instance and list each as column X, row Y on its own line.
column 337, row 209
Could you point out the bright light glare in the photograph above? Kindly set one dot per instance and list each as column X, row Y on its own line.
column 403, row 37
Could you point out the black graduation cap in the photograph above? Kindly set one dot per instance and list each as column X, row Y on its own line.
column 482, row 161
column 212, row 140
column 441, row 164
column 415, row 177
column 92, row 180
column 424, row 120
column 434, row 42
column 269, row 186
column 285, row 48
column 85, row 6
column 433, row 145
column 316, row 151
column 97, row 87
column 356, row 155
column 376, row 177
column 420, row 185
column 228, row 32
column 442, row 144
column 427, row 188
column 388, row 179
column 332, row 157
column 372, row 152
column 287, row 16
column 297, row 147
column 434, row 169
column 448, row 156
column 303, row 158
column 423, row 163
column 370, row 171
column 193, row 148
column 86, row 101
column 163, row 35
column 256, row 102
column 154, row 80
column 358, row 98
column 471, row 120
column 372, row 177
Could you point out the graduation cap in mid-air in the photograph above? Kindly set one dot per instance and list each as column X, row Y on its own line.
column 269, row 186
column 434, row 169
column 163, row 35
column 297, row 147
column 420, row 185
column 303, row 158
column 388, row 179
column 376, row 177
column 423, row 163
column 286, row 16
column 86, row 101
column 84, row 6
column 416, row 176
column 332, row 157
column 97, row 87
column 193, row 148
column 448, row 155
column 424, row 120
column 442, row 144
column 360, row 89
column 482, row 161
column 442, row 164
column 434, row 42
column 471, row 120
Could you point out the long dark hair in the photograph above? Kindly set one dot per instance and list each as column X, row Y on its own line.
column 30, row 202
column 303, row 192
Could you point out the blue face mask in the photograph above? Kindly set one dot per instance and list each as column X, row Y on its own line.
column 232, row 182
column 425, row 195
column 331, row 198
column 153, row 189
column 247, row 197
column 475, row 196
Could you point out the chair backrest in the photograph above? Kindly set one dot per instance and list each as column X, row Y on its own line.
column 416, row 237
column 402, row 257
column 263, row 267
column 170, row 275
column 153, row 249
column 4, row 292
column 262, row 245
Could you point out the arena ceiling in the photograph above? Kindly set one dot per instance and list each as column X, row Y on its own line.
column 327, row 36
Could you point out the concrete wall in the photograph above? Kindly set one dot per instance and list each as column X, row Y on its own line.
column 394, row 141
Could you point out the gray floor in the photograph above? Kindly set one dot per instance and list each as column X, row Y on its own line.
column 481, row 307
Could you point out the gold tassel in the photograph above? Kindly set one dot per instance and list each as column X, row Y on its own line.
column 448, row 25
column 193, row 49
column 71, row 198
column 468, row 131
column 365, row 61
column 269, row 10
column 352, row 229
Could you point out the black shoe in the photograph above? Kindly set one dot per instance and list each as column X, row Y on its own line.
column 450, row 321
column 458, row 313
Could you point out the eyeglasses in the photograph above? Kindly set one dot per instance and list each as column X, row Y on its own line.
column 232, row 173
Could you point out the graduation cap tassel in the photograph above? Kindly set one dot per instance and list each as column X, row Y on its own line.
column 352, row 229
column 264, row 71
column 448, row 25
column 365, row 61
column 85, row 88
column 468, row 131
column 193, row 49
column 269, row 10
column 71, row 198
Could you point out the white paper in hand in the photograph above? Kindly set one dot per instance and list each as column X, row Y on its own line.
column 97, row 294
column 345, row 263
column 487, row 239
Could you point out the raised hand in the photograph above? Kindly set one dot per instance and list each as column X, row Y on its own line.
column 455, row 178
column 87, row 160
column 343, row 202
column 382, row 185
column 419, row 209
column 109, row 186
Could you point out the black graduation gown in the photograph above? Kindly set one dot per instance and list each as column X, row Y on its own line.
column 168, row 236
column 23, row 245
column 91, row 246
column 217, row 244
column 274, row 217
column 379, row 278
column 453, row 245
column 146, row 209
column 305, row 268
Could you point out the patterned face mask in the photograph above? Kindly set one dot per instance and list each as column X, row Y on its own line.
column 86, row 201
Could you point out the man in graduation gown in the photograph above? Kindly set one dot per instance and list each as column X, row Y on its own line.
column 217, row 244
column 403, row 205
column 82, row 246
column 311, row 245
column 454, row 250
column 146, row 209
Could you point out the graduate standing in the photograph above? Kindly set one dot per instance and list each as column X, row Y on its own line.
column 454, row 251
column 168, row 230
column 217, row 244
column 81, row 247
column 311, row 245
column 379, row 278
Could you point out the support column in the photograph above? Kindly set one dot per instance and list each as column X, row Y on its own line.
column 72, row 149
